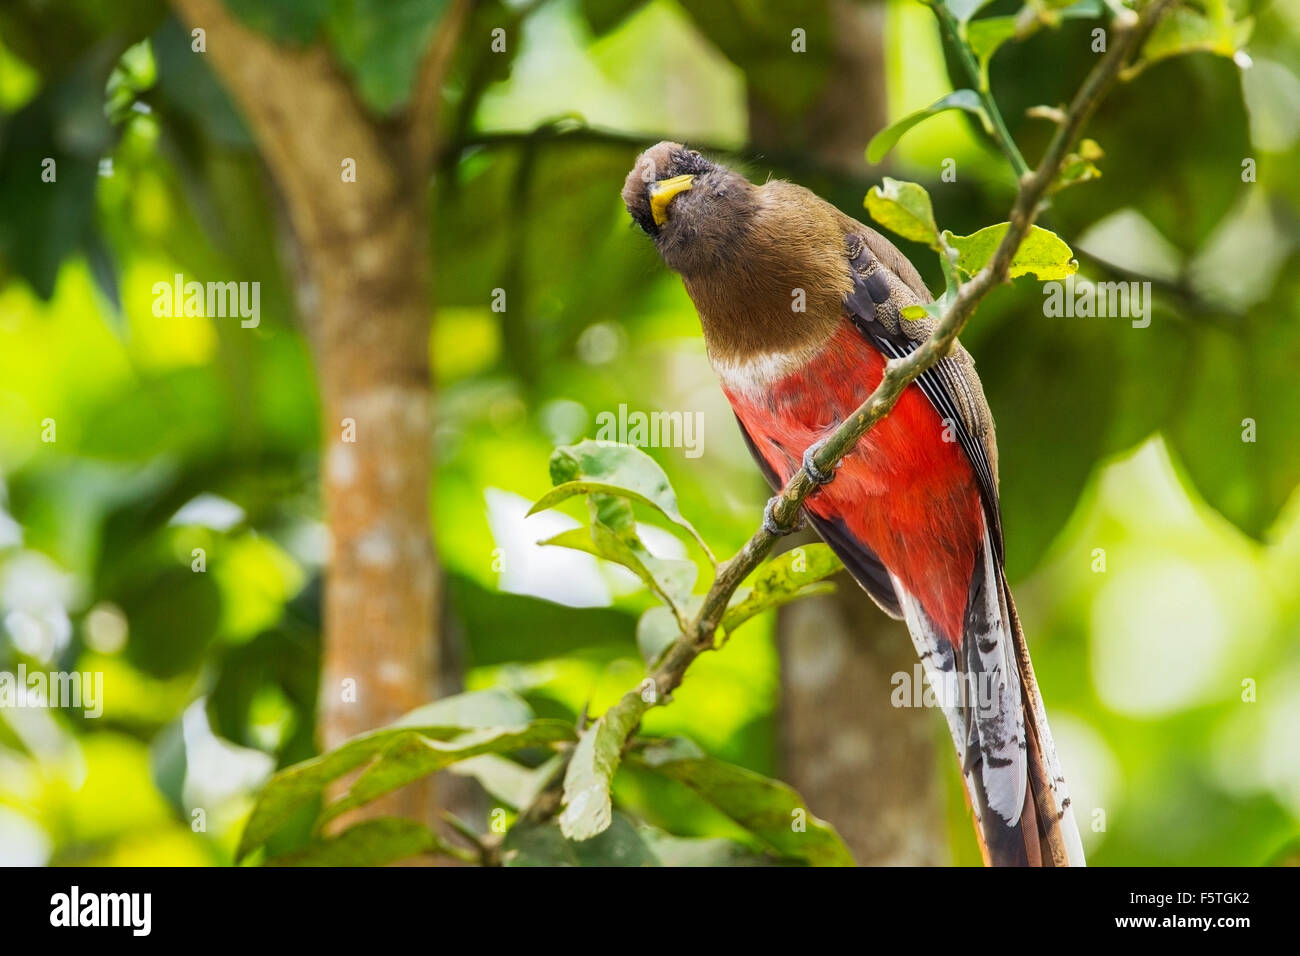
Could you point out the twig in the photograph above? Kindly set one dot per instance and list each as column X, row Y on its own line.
column 572, row 132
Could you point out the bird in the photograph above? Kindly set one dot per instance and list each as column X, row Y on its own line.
column 801, row 308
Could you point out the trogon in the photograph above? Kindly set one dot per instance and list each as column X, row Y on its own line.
column 800, row 306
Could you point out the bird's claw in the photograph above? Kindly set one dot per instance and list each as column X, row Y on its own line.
column 815, row 474
column 769, row 519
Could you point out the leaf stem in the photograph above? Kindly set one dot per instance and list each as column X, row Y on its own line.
column 1001, row 135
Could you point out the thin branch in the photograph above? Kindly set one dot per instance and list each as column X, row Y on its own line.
column 1130, row 31
column 573, row 132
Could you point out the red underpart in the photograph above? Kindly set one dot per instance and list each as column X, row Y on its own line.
column 904, row 492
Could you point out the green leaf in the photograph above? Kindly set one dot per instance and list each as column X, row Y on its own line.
column 412, row 756
column 134, row 73
column 476, row 709
column 888, row 137
column 1079, row 166
column 986, row 36
column 297, row 786
column 1043, row 253
column 773, row 812
column 785, row 578
column 904, row 208
column 1185, row 29
column 512, row 783
column 602, row 467
column 670, row 579
column 588, row 808
column 371, row 843
column 619, row 845
column 382, row 44
column 919, row 311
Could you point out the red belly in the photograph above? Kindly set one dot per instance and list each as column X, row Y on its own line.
column 904, row 492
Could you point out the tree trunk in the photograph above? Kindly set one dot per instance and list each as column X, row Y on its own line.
column 371, row 341
column 364, row 294
column 862, row 764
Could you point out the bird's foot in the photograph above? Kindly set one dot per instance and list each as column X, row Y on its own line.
column 769, row 519
column 815, row 474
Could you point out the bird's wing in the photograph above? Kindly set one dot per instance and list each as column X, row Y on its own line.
column 874, row 304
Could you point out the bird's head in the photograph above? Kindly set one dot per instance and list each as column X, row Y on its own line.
column 697, row 212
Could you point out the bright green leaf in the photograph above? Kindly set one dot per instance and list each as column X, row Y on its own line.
column 602, row 467
column 1079, row 166
column 766, row 808
column 670, row 579
column 587, row 805
column 987, row 35
column 1043, row 253
column 411, row 756
column 785, row 578
column 512, row 783
column 904, row 208
column 919, row 311
column 293, row 788
column 371, row 843
column 1212, row 28
column 494, row 707
column 886, row 139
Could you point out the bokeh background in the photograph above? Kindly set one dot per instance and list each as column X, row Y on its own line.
column 1154, row 552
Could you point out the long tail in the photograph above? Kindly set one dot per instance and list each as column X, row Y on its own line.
column 995, row 714
column 1047, row 796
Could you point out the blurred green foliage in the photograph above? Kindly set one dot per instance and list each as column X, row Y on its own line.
column 1153, row 551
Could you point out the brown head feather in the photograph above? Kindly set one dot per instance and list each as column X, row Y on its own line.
column 765, row 265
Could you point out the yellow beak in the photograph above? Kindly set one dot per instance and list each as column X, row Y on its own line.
column 662, row 193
